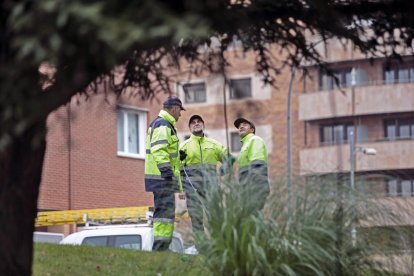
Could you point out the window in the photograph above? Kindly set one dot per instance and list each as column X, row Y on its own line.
column 195, row 92
column 399, row 73
column 176, row 245
column 335, row 134
column 400, row 187
column 240, row 88
column 236, row 145
column 96, row 241
column 121, row 241
column 131, row 131
column 128, row 241
column 343, row 76
column 406, row 187
column 399, row 128
column 392, row 187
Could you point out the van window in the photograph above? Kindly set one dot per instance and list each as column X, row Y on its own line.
column 128, row 242
column 121, row 241
column 176, row 245
column 95, row 241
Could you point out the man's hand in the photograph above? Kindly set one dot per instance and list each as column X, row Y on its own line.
column 232, row 159
column 183, row 155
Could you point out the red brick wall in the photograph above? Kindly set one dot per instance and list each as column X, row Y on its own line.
column 82, row 169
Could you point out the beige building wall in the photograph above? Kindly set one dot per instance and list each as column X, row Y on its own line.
column 367, row 105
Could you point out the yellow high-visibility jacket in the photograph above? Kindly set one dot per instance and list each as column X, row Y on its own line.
column 162, row 161
column 203, row 154
column 252, row 161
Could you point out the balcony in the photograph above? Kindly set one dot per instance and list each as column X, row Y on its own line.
column 391, row 155
column 366, row 100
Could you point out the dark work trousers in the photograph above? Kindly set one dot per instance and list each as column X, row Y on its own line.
column 255, row 187
column 195, row 208
column 164, row 212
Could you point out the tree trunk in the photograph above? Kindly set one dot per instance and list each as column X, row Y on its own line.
column 21, row 164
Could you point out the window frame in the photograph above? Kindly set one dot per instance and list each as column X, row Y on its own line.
column 233, row 95
column 397, row 190
column 197, row 99
column 397, row 124
column 396, row 69
column 141, row 135
column 334, row 141
column 341, row 73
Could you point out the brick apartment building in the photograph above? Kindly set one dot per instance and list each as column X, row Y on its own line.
column 372, row 97
column 376, row 101
column 99, row 167
column 96, row 147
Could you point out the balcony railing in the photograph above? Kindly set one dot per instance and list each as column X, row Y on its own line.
column 366, row 83
column 391, row 155
column 362, row 100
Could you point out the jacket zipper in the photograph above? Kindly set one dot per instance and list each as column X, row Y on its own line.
column 201, row 152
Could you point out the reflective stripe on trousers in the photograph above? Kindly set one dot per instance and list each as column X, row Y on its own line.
column 164, row 214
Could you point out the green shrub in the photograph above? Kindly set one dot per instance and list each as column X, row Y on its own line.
column 313, row 238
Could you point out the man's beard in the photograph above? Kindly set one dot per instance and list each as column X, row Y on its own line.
column 198, row 131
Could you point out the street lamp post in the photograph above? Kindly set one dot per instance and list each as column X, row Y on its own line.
column 352, row 179
column 352, row 151
column 289, row 142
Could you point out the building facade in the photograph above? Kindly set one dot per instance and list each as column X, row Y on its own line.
column 373, row 98
column 96, row 147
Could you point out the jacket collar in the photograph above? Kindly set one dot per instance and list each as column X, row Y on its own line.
column 247, row 137
column 167, row 116
column 195, row 137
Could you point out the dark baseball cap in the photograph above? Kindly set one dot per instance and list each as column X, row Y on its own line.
column 195, row 117
column 173, row 100
column 243, row 120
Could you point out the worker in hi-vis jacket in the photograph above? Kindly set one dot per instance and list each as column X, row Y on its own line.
column 162, row 170
column 199, row 158
column 252, row 163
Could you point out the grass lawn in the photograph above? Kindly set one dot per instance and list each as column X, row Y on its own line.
column 54, row 259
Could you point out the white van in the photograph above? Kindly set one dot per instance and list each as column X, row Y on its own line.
column 130, row 236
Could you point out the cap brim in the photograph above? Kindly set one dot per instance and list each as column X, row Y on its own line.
column 182, row 108
column 239, row 121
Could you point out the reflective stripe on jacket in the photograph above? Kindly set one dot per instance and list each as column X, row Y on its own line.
column 253, row 157
column 162, row 159
column 203, row 153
